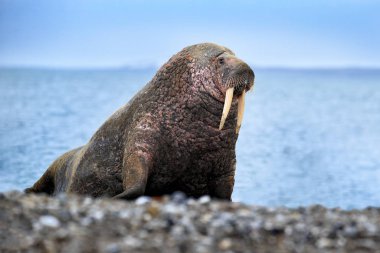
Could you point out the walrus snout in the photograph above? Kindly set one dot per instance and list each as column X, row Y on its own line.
column 244, row 77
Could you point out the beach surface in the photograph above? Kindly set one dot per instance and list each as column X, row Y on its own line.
column 38, row 223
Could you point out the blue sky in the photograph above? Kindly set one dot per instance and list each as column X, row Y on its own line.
column 113, row 33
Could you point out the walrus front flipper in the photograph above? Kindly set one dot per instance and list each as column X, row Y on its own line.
column 222, row 187
column 135, row 176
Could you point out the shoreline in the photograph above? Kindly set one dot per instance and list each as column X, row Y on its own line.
column 69, row 223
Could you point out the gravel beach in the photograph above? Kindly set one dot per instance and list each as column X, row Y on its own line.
column 38, row 223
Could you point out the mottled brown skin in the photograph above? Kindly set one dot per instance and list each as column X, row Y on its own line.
column 166, row 138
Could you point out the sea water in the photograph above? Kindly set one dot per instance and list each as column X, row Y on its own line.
column 308, row 136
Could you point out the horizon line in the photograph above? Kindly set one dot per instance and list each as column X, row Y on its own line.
column 155, row 67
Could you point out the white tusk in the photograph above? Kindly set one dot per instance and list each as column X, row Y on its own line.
column 241, row 104
column 227, row 106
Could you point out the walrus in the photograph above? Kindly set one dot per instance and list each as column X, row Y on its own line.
column 177, row 134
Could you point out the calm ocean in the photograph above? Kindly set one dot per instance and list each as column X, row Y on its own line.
column 308, row 136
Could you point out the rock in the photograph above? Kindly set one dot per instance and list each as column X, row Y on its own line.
column 204, row 199
column 48, row 221
column 142, row 200
column 225, row 244
column 178, row 197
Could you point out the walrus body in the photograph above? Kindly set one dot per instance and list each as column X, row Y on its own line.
column 166, row 138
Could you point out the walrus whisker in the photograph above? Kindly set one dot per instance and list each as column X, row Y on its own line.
column 227, row 106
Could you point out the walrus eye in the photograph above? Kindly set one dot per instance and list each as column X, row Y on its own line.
column 221, row 61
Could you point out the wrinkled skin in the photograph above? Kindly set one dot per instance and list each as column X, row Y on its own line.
column 166, row 138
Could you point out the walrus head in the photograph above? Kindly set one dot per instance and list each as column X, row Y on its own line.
column 234, row 77
column 209, row 69
column 231, row 77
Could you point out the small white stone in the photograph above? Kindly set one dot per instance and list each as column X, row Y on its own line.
column 173, row 208
column 86, row 221
column 142, row 200
column 225, row 244
column 125, row 214
column 97, row 214
column 204, row 199
column 87, row 201
column 49, row 221
column 324, row 243
column 132, row 242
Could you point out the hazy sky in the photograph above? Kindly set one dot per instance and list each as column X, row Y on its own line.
column 111, row 33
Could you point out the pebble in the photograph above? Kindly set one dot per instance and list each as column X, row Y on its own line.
column 178, row 197
column 325, row 243
column 49, row 221
column 225, row 244
column 204, row 199
column 113, row 248
column 142, row 200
